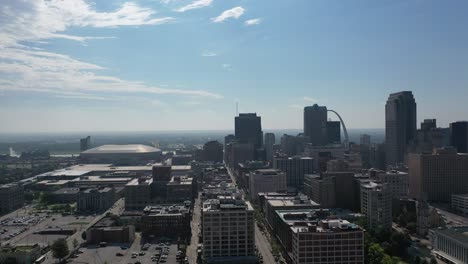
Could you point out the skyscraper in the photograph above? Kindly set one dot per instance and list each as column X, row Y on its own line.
column 459, row 136
column 333, row 132
column 400, row 125
column 248, row 129
column 269, row 142
column 315, row 124
column 85, row 143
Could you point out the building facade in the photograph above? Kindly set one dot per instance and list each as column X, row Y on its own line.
column 269, row 144
column 266, row 180
column 96, row 199
column 459, row 136
column 450, row 244
column 400, row 125
column 320, row 190
column 248, row 129
column 295, row 168
column 376, row 204
column 396, row 181
column 315, row 124
column 11, row 197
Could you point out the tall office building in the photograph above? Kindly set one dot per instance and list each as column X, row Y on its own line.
column 295, row 168
column 459, row 136
column 315, row 124
column 228, row 231
column 85, row 143
column 333, row 132
column 400, row 125
column 248, row 129
column 293, row 145
column 428, row 137
column 437, row 176
column 266, row 180
column 269, row 143
column 213, row 151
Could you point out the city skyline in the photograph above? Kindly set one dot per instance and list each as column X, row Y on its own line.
column 183, row 65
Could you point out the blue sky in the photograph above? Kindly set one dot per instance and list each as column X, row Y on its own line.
column 76, row 65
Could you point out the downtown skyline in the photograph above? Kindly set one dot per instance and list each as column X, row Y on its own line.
column 183, row 65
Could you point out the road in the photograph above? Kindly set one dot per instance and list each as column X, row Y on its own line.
column 261, row 241
column 196, row 220
column 263, row 246
column 115, row 209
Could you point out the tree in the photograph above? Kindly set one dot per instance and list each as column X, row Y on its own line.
column 60, row 249
column 376, row 254
column 433, row 261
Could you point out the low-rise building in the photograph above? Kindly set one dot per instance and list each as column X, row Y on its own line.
column 320, row 190
column 24, row 254
column 287, row 203
column 266, row 180
column 11, row 197
column 460, row 203
column 450, row 244
column 66, row 195
column 138, row 193
column 181, row 188
column 96, row 199
column 167, row 220
column 327, row 242
column 106, row 231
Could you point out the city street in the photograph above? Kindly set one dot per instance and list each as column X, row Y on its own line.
column 263, row 246
column 196, row 229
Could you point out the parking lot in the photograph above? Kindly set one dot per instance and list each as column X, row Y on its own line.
column 124, row 253
column 25, row 227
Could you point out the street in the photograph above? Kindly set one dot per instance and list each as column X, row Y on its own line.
column 196, row 229
column 263, row 246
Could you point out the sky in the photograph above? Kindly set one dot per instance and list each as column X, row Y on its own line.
column 142, row 65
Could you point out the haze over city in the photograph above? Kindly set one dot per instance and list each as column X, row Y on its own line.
column 183, row 65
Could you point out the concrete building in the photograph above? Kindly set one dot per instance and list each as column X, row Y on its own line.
column 213, row 151
column 396, row 181
column 121, row 155
column 266, row 180
column 377, row 158
column 460, row 203
column 320, row 190
column 273, row 204
column 11, row 197
column 400, row 125
column 171, row 220
column 450, row 244
column 376, row 204
column 96, row 199
column 66, row 195
column 293, row 145
column 344, row 193
column 437, row 176
column 331, row 241
column 365, row 140
column 228, row 231
column 181, row 159
column 138, row 193
column 333, row 132
column 459, row 136
column 269, row 143
column 323, row 154
column 180, row 189
column 315, row 124
column 295, row 168
column 106, row 231
column 429, row 137
column 248, row 129
column 21, row 254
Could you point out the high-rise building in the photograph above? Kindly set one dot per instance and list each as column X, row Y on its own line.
column 459, row 136
column 85, row 143
column 213, row 151
column 428, row 137
column 248, row 129
column 400, row 125
column 320, row 190
column 269, row 143
column 138, row 193
column 333, row 132
column 315, row 124
column 376, row 204
column 397, row 182
column 344, row 194
column 293, row 145
column 365, row 140
column 228, row 231
column 295, row 168
column 435, row 177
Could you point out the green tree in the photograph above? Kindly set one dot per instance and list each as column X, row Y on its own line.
column 60, row 249
column 376, row 254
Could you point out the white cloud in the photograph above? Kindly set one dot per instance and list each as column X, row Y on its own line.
column 195, row 5
column 309, row 99
column 226, row 66
column 252, row 22
column 296, row 106
column 25, row 68
column 209, row 54
column 235, row 12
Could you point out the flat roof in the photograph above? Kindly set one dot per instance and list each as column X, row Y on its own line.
column 116, row 149
column 136, row 182
column 292, row 203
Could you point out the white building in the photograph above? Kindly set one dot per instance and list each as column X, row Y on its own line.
column 228, row 231
column 450, row 244
column 460, row 203
column 266, row 180
column 397, row 182
column 327, row 242
column 376, row 204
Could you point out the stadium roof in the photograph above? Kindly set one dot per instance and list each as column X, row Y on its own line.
column 115, row 149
